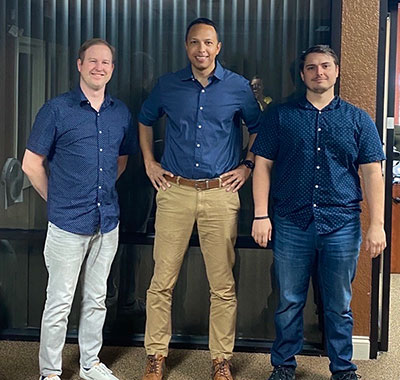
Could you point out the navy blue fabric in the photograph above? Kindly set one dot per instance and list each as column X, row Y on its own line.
column 316, row 157
column 203, row 136
column 82, row 147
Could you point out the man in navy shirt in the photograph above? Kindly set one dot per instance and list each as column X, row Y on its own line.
column 197, row 182
column 316, row 145
column 85, row 136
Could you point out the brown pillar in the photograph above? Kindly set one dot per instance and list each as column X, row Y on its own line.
column 358, row 78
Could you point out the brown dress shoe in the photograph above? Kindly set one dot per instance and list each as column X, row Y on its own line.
column 155, row 367
column 221, row 369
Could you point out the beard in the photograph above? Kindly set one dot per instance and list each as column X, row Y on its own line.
column 320, row 89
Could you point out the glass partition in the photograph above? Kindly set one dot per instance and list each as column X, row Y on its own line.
column 39, row 40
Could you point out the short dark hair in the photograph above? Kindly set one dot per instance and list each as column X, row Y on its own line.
column 94, row 41
column 322, row 49
column 201, row 20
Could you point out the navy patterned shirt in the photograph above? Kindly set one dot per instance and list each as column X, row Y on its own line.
column 203, row 133
column 316, row 158
column 82, row 147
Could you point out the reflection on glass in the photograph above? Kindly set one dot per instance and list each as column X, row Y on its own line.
column 37, row 62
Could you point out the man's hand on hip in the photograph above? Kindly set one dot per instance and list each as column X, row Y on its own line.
column 235, row 179
column 375, row 241
column 156, row 175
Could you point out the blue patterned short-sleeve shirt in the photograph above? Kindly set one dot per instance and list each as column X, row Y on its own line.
column 82, row 148
column 316, row 158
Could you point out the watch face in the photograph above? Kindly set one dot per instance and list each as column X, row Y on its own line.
column 249, row 164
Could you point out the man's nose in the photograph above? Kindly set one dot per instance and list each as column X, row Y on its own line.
column 320, row 70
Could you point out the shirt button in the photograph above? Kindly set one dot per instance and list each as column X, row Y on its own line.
column 201, row 108
column 100, row 132
column 99, row 204
column 318, row 148
column 198, row 145
column 316, row 186
column 197, row 165
column 98, row 113
column 199, row 126
column 101, row 149
column 314, row 205
column 99, row 187
column 319, row 129
column 318, row 166
column 203, row 90
column 101, row 169
column 319, row 112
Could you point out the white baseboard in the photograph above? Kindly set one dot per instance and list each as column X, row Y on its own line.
column 361, row 347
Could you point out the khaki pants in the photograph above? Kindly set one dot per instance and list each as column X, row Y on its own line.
column 216, row 212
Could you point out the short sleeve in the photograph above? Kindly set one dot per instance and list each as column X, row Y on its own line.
column 370, row 144
column 130, row 143
column 43, row 131
column 250, row 110
column 152, row 108
column 267, row 140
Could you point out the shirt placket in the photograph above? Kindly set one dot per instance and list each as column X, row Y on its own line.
column 200, row 125
column 100, row 152
column 318, row 167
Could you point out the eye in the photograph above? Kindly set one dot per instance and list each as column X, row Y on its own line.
column 209, row 43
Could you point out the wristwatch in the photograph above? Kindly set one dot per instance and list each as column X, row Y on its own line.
column 248, row 163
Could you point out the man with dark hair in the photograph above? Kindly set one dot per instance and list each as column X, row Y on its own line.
column 197, row 182
column 316, row 145
column 85, row 136
column 257, row 86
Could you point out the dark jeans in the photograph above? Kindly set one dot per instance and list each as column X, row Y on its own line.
column 335, row 256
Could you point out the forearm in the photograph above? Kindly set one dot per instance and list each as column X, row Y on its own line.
column 146, row 143
column 261, row 185
column 33, row 167
column 122, row 161
column 374, row 192
column 250, row 155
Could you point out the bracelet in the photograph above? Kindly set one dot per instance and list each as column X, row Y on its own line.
column 261, row 217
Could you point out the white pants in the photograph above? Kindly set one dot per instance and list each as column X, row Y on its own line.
column 68, row 255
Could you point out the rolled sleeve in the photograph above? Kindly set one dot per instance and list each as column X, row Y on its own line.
column 250, row 110
column 267, row 140
column 43, row 132
column 370, row 144
column 130, row 143
column 152, row 108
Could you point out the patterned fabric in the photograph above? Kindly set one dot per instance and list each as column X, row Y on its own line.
column 317, row 155
column 82, row 147
column 203, row 133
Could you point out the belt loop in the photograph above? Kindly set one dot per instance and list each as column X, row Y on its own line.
column 178, row 178
column 207, row 186
column 220, row 181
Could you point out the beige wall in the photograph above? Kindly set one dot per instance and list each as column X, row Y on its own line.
column 359, row 53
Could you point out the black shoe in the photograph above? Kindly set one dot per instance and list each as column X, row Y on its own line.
column 347, row 375
column 282, row 373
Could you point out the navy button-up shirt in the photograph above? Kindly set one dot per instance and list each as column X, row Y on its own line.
column 316, row 157
column 203, row 134
column 82, row 148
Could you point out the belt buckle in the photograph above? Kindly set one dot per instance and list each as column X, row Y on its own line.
column 197, row 186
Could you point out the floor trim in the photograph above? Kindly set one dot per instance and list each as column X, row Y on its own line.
column 361, row 347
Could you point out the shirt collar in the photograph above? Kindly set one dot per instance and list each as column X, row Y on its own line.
column 304, row 103
column 81, row 98
column 187, row 74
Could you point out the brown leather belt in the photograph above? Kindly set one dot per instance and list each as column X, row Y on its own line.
column 198, row 184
